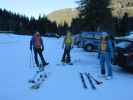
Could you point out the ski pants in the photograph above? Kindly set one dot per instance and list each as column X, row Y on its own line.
column 66, row 55
column 105, row 59
column 38, row 51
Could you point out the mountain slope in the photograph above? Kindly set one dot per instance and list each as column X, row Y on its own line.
column 63, row 16
column 120, row 7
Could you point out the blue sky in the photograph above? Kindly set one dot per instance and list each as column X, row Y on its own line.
column 36, row 7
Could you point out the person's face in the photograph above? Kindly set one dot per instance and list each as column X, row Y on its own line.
column 68, row 35
column 37, row 34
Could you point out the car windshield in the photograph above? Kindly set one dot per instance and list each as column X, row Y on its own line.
column 92, row 35
column 123, row 44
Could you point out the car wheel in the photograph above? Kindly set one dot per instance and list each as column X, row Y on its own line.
column 89, row 48
column 79, row 44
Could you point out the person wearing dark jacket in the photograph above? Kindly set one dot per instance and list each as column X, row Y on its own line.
column 36, row 44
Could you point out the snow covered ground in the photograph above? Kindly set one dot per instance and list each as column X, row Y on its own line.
column 63, row 82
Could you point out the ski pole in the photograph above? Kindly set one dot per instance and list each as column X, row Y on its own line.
column 32, row 59
column 96, row 81
column 30, row 64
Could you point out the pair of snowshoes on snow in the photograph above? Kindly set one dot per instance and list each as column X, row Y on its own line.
column 39, row 77
column 36, row 83
column 42, row 66
column 38, row 80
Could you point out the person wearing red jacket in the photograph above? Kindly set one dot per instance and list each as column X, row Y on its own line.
column 36, row 44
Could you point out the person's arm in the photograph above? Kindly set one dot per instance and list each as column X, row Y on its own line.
column 72, row 43
column 42, row 44
column 111, row 48
column 63, row 44
column 99, row 49
column 31, row 43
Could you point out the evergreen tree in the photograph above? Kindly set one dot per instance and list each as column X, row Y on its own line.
column 124, row 25
column 23, row 25
column 94, row 13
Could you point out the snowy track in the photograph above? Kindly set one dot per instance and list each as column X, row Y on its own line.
column 63, row 82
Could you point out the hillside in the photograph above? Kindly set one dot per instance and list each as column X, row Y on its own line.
column 119, row 7
column 63, row 16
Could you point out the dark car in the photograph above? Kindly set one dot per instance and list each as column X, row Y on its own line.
column 123, row 54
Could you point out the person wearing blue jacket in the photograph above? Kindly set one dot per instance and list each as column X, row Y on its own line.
column 106, row 54
column 36, row 44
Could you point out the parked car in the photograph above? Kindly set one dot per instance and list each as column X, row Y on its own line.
column 92, row 43
column 76, row 39
column 79, row 39
column 123, row 54
column 129, row 36
column 52, row 35
column 89, row 41
column 129, row 33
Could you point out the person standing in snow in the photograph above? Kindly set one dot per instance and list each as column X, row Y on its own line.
column 36, row 44
column 106, row 53
column 67, row 46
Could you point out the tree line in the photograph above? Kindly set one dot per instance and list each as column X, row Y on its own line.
column 21, row 24
column 96, row 15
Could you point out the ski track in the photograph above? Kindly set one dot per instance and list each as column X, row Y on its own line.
column 64, row 82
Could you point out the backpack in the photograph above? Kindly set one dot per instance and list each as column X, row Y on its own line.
column 104, row 46
column 68, row 41
column 37, row 42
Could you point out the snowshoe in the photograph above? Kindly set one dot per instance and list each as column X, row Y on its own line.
column 39, row 81
column 35, row 86
column 32, row 81
column 108, row 77
column 42, row 66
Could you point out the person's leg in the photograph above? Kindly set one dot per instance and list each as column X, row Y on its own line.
column 108, row 63
column 41, row 56
column 68, row 55
column 102, row 63
column 64, row 55
column 36, row 57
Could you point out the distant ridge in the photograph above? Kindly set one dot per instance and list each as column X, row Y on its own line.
column 63, row 16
